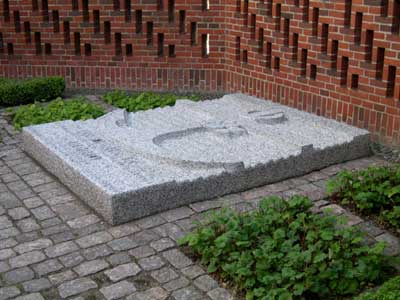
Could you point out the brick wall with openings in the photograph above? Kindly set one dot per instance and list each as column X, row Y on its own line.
column 339, row 59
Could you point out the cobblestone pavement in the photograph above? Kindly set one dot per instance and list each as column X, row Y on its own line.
column 54, row 247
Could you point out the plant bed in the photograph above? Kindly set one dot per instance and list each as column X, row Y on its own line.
column 283, row 251
column 373, row 193
column 16, row 92
column 57, row 110
column 390, row 290
column 143, row 101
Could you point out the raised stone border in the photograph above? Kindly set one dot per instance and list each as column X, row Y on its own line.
column 126, row 171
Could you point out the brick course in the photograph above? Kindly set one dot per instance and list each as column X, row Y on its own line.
column 339, row 59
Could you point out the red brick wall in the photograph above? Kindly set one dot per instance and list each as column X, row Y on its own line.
column 337, row 58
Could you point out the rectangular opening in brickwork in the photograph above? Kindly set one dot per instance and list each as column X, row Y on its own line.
column 384, row 8
column 56, row 21
column 345, row 68
column 182, row 21
column 75, row 5
column 347, row 13
column 118, row 43
column 269, row 7
column 238, row 6
column 149, row 33
column 260, row 40
column 1, row 43
column 313, row 72
column 96, row 21
column 38, row 43
column 47, row 48
column 27, row 30
column 306, row 10
column 67, row 36
column 10, row 49
column 246, row 11
column 17, row 21
column 391, row 81
column 193, row 33
column 160, row 4
column 237, row 48
column 205, row 4
column 205, row 45
column 303, row 63
column 297, row 3
column 77, row 43
column 129, row 50
column 85, row 10
column 334, row 54
column 380, row 59
column 354, row 81
column 6, row 10
column 171, row 50
column 116, row 4
column 253, row 26
column 128, row 10
column 277, row 63
column 324, row 38
column 88, row 49
column 369, row 44
column 139, row 21
column 315, row 20
column 45, row 11
column 171, row 11
column 107, row 32
column 396, row 17
column 286, row 30
column 268, row 55
column 160, row 42
column 245, row 58
column 35, row 5
column 278, row 17
column 358, row 28
column 295, row 48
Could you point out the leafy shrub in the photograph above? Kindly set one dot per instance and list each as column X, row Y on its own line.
column 16, row 92
column 375, row 190
column 57, row 110
column 142, row 101
column 282, row 251
column 390, row 290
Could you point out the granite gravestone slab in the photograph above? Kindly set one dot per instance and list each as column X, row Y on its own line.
column 129, row 165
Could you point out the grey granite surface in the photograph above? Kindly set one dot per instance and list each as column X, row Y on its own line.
column 126, row 166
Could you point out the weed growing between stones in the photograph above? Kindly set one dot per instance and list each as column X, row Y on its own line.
column 374, row 191
column 283, row 251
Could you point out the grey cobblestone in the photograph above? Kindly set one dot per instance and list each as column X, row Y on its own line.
column 9, row 292
column 177, row 258
column 75, row 287
column 36, row 285
column 48, row 266
column 18, row 213
column 176, row 284
column 61, row 249
column 118, row 290
column 151, row 263
column 155, row 293
column 94, row 239
column 220, row 294
column 61, row 277
column 141, row 252
column 91, row 267
column 33, row 296
column 205, row 283
column 27, row 259
column 19, row 275
column 34, row 245
column 164, row 275
column 122, row 271
column 188, row 293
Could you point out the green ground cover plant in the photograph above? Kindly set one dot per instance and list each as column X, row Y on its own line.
column 390, row 290
column 16, row 92
column 282, row 251
column 57, row 110
column 143, row 101
column 372, row 191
